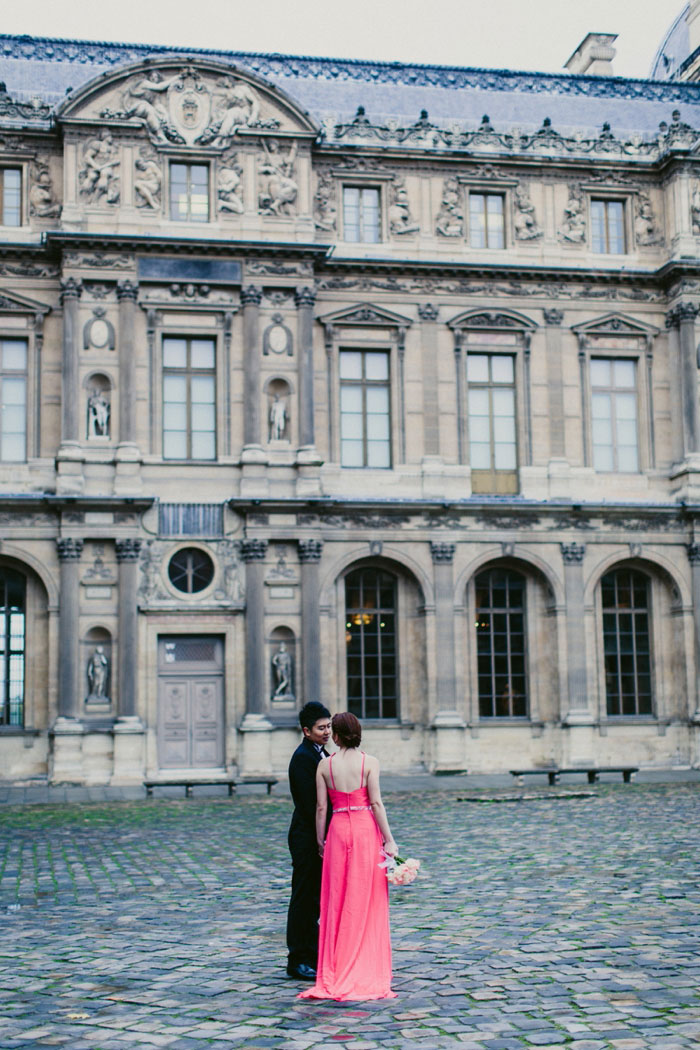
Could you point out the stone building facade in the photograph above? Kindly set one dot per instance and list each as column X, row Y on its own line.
column 317, row 382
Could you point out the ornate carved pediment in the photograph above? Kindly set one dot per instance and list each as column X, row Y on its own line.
column 615, row 324
column 486, row 319
column 11, row 302
column 188, row 102
column 366, row 314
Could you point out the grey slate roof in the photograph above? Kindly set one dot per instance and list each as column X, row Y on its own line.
column 334, row 88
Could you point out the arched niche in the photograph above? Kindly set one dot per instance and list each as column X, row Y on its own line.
column 97, row 666
column 98, row 407
column 278, row 393
column 282, row 665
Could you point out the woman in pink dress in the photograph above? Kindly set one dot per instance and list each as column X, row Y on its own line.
column 354, row 948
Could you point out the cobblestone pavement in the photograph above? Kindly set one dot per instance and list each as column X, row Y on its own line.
column 548, row 922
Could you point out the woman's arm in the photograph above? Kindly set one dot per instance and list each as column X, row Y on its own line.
column 375, row 798
column 321, row 806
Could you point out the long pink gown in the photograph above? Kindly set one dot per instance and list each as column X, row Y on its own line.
column 354, row 947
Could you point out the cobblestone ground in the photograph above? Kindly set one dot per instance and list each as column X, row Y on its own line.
column 548, row 922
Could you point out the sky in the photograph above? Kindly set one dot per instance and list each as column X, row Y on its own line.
column 497, row 34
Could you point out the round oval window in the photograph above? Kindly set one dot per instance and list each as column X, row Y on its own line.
column 190, row 570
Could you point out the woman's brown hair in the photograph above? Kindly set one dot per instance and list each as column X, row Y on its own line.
column 348, row 729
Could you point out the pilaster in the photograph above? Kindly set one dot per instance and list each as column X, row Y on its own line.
column 310, row 552
column 448, row 725
column 67, row 731
column 579, row 711
column 308, row 459
column 256, row 727
column 70, row 457
column 694, row 559
column 127, row 480
column 686, row 474
column 253, row 458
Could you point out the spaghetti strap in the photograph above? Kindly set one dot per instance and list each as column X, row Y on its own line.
column 330, row 770
column 362, row 771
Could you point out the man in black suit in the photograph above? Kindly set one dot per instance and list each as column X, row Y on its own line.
column 304, row 906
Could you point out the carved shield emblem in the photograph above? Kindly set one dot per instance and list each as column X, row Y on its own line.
column 190, row 106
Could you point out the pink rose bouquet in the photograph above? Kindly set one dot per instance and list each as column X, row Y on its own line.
column 400, row 872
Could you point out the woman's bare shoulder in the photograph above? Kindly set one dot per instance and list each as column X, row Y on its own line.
column 371, row 762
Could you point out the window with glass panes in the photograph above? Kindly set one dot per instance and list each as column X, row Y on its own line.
column 626, row 642
column 361, row 214
column 371, row 650
column 493, row 445
column 189, row 192
column 608, row 227
column 614, row 432
column 189, row 398
column 486, row 220
column 12, row 625
column 365, row 423
column 10, row 197
column 500, row 644
column 13, row 400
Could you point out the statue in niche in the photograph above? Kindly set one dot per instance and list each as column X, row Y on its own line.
column 400, row 220
column 147, row 182
column 695, row 210
column 98, row 414
column 228, row 189
column 526, row 228
column 278, row 418
column 282, row 670
column 98, row 175
column 279, row 193
column 574, row 226
column 97, row 674
column 325, row 211
column 450, row 218
column 646, row 232
column 42, row 202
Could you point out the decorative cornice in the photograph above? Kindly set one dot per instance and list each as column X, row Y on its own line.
column 71, row 288
column 69, row 549
column 253, row 550
column 127, row 291
column 442, row 553
column 251, row 295
column 128, row 549
column 304, row 297
column 573, row 553
column 310, row 551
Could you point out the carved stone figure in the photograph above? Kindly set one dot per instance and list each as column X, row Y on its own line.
column 98, row 176
column 278, row 192
column 400, row 220
column 241, row 108
column 695, row 209
column 228, row 187
column 282, row 668
column 141, row 99
column 98, row 414
column 450, row 218
column 147, row 182
column 97, row 674
column 325, row 211
column 526, row 228
column 42, row 202
column 646, row 232
column 278, row 418
column 574, row 226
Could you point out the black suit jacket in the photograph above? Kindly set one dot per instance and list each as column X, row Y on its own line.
column 302, row 782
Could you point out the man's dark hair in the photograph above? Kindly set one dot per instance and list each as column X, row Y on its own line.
column 311, row 713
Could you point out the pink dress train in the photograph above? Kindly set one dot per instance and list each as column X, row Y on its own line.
column 354, row 947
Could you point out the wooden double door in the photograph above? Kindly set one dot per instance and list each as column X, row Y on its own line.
column 191, row 702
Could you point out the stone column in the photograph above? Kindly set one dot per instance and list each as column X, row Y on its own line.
column 683, row 317
column 66, row 759
column 572, row 554
column 256, row 756
column 310, row 555
column 305, row 299
column 448, row 725
column 250, row 301
column 129, row 731
column 70, row 458
column 431, row 409
column 694, row 558
column 127, row 293
column 555, row 384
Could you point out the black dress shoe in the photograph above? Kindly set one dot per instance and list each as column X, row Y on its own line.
column 302, row 972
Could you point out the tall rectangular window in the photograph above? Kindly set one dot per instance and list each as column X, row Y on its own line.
column 189, row 398
column 12, row 643
column 486, row 220
column 614, row 414
column 500, row 644
column 608, row 227
column 361, row 214
column 365, row 425
column 626, row 642
column 371, row 643
column 493, row 445
column 189, row 192
column 10, row 197
column 13, row 400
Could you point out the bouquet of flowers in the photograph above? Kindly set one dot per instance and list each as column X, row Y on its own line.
column 400, row 872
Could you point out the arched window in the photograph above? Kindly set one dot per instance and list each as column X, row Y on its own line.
column 500, row 644
column 625, row 599
column 12, row 647
column 370, row 635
